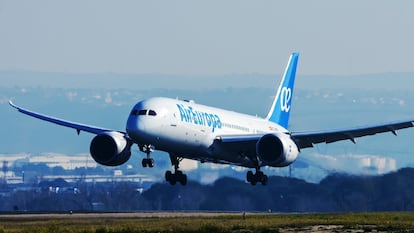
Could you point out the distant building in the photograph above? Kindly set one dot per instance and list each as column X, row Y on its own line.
column 65, row 162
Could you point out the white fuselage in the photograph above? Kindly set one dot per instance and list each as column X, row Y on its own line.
column 188, row 130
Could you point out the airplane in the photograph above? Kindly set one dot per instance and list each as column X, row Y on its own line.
column 187, row 130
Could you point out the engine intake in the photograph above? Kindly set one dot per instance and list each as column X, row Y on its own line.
column 110, row 149
column 277, row 150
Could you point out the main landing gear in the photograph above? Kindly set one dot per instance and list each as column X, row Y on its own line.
column 172, row 178
column 259, row 176
column 177, row 176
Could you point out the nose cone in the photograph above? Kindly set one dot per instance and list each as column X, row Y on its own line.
column 133, row 123
column 134, row 127
column 144, row 121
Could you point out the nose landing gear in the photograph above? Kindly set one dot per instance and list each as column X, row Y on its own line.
column 147, row 162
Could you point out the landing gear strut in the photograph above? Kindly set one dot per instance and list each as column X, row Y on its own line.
column 147, row 162
column 259, row 176
column 177, row 176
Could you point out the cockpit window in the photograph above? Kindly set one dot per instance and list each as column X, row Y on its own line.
column 152, row 113
column 142, row 112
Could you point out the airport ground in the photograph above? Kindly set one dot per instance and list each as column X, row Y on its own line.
column 207, row 222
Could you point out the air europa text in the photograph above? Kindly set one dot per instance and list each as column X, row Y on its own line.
column 190, row 115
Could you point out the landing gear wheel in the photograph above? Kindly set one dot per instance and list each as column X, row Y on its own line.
column 264, row 180
column 178, row 175
column 253, row 182
column 249, row 176
column 168, row 175
column 182, row 178
column 259, row 176
column 170, row 178
column 148, row 162
column 173, row 178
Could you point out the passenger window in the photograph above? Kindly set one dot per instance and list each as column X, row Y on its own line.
column 152, row 113
column 142, row 112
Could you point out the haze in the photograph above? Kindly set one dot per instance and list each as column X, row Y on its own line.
column 206, row 38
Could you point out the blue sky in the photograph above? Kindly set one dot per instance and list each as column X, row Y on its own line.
column 206, row 37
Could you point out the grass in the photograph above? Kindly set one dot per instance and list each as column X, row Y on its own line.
column 395, row 222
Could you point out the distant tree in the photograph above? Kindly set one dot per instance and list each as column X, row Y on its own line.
column 58, row 170
column 337, row 192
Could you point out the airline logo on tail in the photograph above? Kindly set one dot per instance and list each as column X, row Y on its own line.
column 280, row 111
column 285, row 97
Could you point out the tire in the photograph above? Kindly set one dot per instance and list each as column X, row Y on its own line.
column 150, row 162
column 183, row 179
column 168, row 176
column 249, row 176
column 264, row 180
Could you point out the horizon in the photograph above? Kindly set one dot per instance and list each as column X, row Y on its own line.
column 110, row 80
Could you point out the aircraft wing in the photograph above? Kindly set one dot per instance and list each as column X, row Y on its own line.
column 244, row 145
column 247, row 143
column 307, row 139
column 79, row 127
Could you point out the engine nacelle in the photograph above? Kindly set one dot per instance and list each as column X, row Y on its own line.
column 110, row 149
column 277, row 150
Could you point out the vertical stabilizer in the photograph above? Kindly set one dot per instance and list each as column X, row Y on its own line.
column 280, row 110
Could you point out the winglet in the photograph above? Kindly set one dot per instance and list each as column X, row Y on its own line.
column 13, row 105
column 280, row 110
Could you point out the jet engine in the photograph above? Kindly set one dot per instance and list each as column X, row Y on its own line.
column 276, row 150
column 110, row 149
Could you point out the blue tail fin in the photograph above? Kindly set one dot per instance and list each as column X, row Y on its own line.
column 280, row 111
